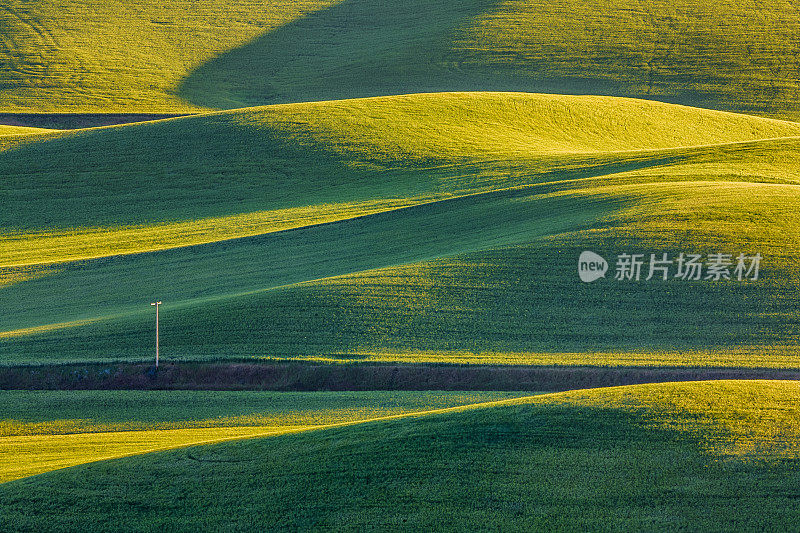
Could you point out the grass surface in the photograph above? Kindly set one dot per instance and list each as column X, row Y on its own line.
column 199, row 179
column 98, row 56
column 339, row 198
column 420, row 236
column 44, row 431
column 121, row 56
column 702, row 455
column 19, row 130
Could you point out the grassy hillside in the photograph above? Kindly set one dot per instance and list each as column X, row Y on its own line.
column 44, row 431
column 19, row 130
column 218, row 176
column 703, row 455
column 480, row 265
column 341, row 187
column 122, row 56
column 98, row 56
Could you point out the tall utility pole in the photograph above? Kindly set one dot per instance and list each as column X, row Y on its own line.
column 156, row 304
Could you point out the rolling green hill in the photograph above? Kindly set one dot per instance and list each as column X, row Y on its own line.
column 44, row 431
column 391, row 229
column 6, row 131
column 701, row 455
column 94, row 55
column 346, row 186
column 206, row 178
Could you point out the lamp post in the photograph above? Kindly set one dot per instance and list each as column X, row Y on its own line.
column 156, row 304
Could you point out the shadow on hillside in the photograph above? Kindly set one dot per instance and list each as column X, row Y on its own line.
column 519, row 467
column 361, row 48
column 355, row 48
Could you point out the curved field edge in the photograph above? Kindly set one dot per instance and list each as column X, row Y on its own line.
column 25, row 456
column 489, row 290
column 6, row 131
column 344, row 158
column 39, row 250
column 129, row 56
column 668, row 455
column 41, row 431
column 494, row 269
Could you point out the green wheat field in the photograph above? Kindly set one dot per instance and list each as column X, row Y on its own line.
column 369, row 184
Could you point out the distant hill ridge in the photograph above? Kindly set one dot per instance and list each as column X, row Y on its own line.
column 138, row 56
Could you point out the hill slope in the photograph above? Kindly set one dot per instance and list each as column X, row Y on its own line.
column 703, row 455
column 205, row 178
column 19, row 130
column 478, row 264
column 40, row 432
column 174, row 56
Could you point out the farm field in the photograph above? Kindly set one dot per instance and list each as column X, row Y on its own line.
column 393, row 246
column 426, row 241
column 697, row 455
column 42, row 431
column 105, row 56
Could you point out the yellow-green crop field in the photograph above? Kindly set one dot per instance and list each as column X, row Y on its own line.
column 431, row 228
column 101, row 55
column 376, row 185
column 698, row 455
column 42, row 431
